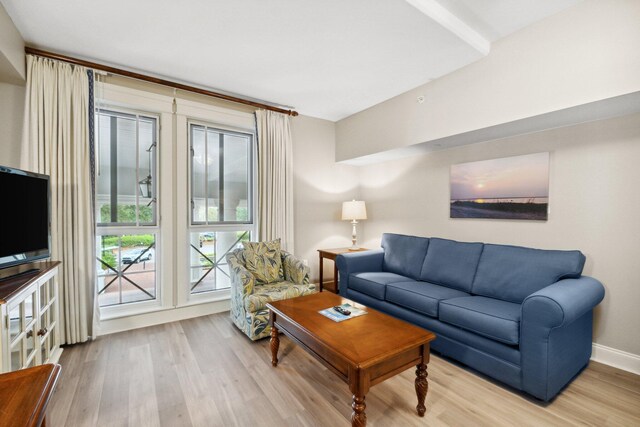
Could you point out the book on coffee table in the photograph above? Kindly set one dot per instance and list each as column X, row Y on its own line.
column 336, row 316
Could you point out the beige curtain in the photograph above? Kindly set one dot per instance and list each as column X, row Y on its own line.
column 56, row 143
column 275, row 178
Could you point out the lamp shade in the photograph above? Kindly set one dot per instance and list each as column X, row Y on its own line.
column 354, row 210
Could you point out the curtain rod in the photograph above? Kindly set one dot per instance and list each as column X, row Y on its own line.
column 169, row 83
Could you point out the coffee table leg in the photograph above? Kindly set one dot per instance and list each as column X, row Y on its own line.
column 358, row 417
column 421, row 387
column 321, row 271
column 275, row 344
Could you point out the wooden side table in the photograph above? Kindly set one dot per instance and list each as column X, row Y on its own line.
column 332, row 254
column 24, row 395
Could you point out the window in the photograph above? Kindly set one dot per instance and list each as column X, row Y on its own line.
column 174, row 194
column 125, row 181
column 126, row 270
column 221, row 197
column 220, row 176
column 126, row 207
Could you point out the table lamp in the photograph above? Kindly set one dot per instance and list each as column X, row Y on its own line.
column 353, row 211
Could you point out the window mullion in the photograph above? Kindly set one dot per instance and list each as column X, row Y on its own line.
column 251, row 189
column 221, row 177
column 119, row 263
column 193, row 174
column 137, row 186
column 114, row 168
column 154, row 166
column 206, row 175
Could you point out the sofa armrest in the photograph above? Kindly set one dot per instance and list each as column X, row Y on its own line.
column 294, row 269
column 357, row 262
column 556, row 334
column 563, row 302
column 242, row 281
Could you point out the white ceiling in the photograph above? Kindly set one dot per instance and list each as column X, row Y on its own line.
column 326, row 58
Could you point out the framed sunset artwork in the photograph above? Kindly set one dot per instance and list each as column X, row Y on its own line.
column 507, row 188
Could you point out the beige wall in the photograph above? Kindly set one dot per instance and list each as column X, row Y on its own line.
column 594, row 206
column 12, row 74
column 586, row 53
column 12, row 64
column 11, row 114
column 320, row 187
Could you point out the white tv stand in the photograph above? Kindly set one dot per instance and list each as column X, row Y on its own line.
column 29, row 334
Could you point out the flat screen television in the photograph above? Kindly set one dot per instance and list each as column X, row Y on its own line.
column 25, row 233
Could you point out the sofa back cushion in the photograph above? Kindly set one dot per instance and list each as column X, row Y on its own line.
column 404, row 254
column 450, row 263
column 511, row 273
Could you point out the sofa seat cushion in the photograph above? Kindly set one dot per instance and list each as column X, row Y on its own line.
column 495, row 319
column 374, row 284
column 263, row 294
column 423, row 297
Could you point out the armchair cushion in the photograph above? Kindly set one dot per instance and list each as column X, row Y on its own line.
column 263, row 294
column 263, row 260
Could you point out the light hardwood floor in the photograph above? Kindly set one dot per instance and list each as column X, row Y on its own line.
column 204, row 372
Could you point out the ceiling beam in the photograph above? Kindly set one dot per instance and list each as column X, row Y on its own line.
column 451, row 22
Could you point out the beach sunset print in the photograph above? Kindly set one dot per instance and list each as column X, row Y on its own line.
column 507, row 188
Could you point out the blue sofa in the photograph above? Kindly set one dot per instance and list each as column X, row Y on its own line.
column 522, row 316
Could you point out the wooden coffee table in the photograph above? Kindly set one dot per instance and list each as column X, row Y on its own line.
column 25, row 394
column 362, row 351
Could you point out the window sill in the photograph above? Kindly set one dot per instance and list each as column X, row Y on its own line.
column 136, row 309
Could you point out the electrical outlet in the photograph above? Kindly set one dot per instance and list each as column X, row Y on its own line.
column 420, row 99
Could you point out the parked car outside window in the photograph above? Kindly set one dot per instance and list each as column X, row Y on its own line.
column 130, row 256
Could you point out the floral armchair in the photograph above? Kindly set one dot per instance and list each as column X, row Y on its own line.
column 249, row 298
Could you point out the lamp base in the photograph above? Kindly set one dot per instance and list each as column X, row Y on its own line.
column 354, row 238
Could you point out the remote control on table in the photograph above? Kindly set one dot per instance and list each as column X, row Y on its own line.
column 342, row 310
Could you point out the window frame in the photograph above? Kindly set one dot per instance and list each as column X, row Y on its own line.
column 172, row 230
column 197, row 294
column 251, row 179
column 133, row 307
column 162, row 295
column 205, row 118
column 156, row 163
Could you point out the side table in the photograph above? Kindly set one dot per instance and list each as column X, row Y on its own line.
column 331, row 254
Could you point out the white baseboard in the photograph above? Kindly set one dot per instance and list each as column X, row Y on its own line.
column 609, row 356
column 122, row 324
column 617, row 358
